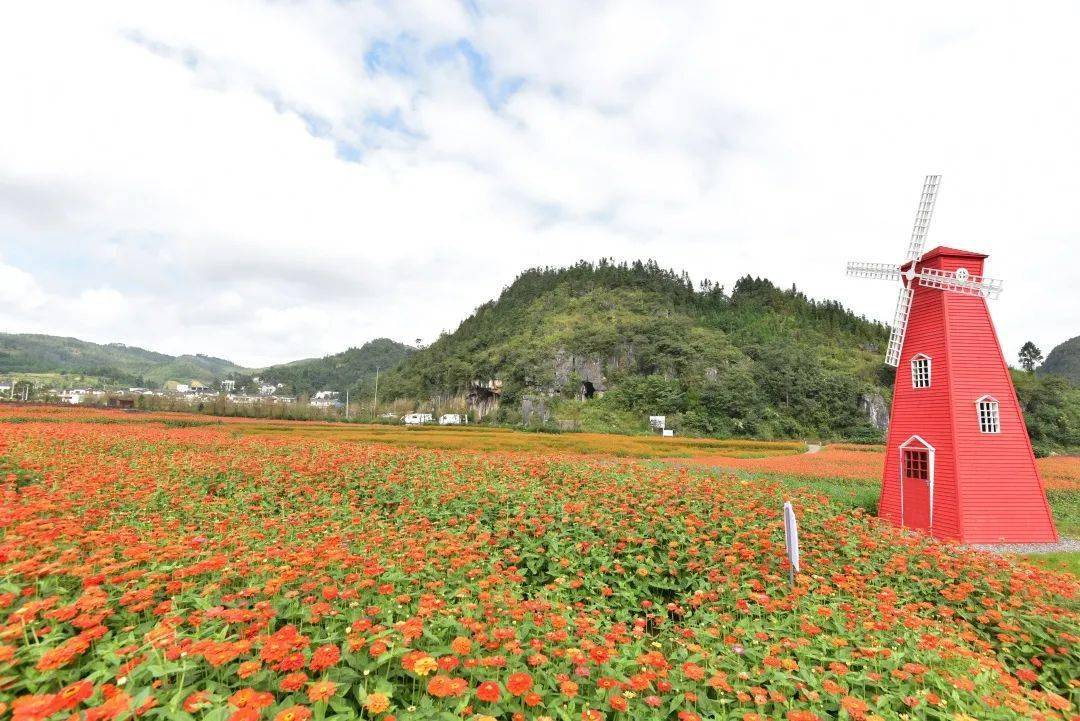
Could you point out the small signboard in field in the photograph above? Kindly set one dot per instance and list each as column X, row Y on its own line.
column 791, row 540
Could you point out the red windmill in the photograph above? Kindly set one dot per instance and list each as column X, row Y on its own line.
column 958, row 464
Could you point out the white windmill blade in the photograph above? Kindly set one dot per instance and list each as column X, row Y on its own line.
column 883, row 271
column 960, row 282
column 899, row 327
column 923, row 215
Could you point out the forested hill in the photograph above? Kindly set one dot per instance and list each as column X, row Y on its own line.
column 756, row 360
column 353, row 369
column 1064, row 361
column 123, row 364
column 115, row 364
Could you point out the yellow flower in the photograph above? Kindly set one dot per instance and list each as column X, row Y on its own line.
column 425, row 666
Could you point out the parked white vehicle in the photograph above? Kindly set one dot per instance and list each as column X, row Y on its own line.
column 417, row 419
column 450, row 419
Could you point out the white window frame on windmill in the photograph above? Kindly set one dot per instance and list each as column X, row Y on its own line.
column 930, row 474
column 988, row 411
column 920, row 370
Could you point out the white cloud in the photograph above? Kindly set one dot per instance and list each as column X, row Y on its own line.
column 234, row 178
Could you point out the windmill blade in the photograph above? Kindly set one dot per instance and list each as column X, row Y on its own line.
column 882, row 271
column 960, row 282
column 899, row 327
column 923, row 215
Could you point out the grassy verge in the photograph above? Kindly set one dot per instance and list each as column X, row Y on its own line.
column 488, row 439
column 1067, row 561
column 1065, row 504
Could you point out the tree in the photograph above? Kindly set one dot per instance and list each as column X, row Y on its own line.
column 1030, row 356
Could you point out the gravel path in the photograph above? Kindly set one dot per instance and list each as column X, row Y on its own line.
column 1065, row 544
column 813, row 448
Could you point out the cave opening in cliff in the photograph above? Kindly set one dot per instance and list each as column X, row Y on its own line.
column 588, row 390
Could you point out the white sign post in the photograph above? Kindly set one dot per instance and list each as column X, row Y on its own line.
column 791, row 540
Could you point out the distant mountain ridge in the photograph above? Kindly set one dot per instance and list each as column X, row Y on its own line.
column 130, row 365
column 1064, row 361
column 38, row 353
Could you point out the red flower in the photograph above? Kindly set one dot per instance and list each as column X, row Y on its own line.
column 324, row 657
column 72, row 695
column 488, row 691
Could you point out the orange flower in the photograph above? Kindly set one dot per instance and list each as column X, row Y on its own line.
column 855, row 707
column 442, row 686
column 293, row 713
column 321, row 691
column 250, row 698
column 461, row 646
column 245, row 714
column 376, row 702
column 519, row 683
column 692, row 671
column 34, row 708
column 293, row 682
column 247, row 669
column 196, row 701
column 799, row 715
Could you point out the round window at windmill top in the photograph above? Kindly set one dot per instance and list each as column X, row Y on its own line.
column 954, row 469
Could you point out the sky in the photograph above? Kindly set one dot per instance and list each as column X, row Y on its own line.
column 266, row 181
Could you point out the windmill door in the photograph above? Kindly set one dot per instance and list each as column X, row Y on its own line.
column 916, row 494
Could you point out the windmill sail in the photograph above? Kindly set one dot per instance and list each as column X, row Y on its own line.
column 881, row 271
column 923, row 215
column 899, row 327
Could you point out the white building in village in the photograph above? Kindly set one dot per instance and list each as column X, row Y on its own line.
column 326, row 399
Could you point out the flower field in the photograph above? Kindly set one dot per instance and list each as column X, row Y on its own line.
column 476, row 438
column 847, row 462
column 197, row 573
column 488, row 438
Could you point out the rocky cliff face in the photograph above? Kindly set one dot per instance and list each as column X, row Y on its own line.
column 876, row 409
